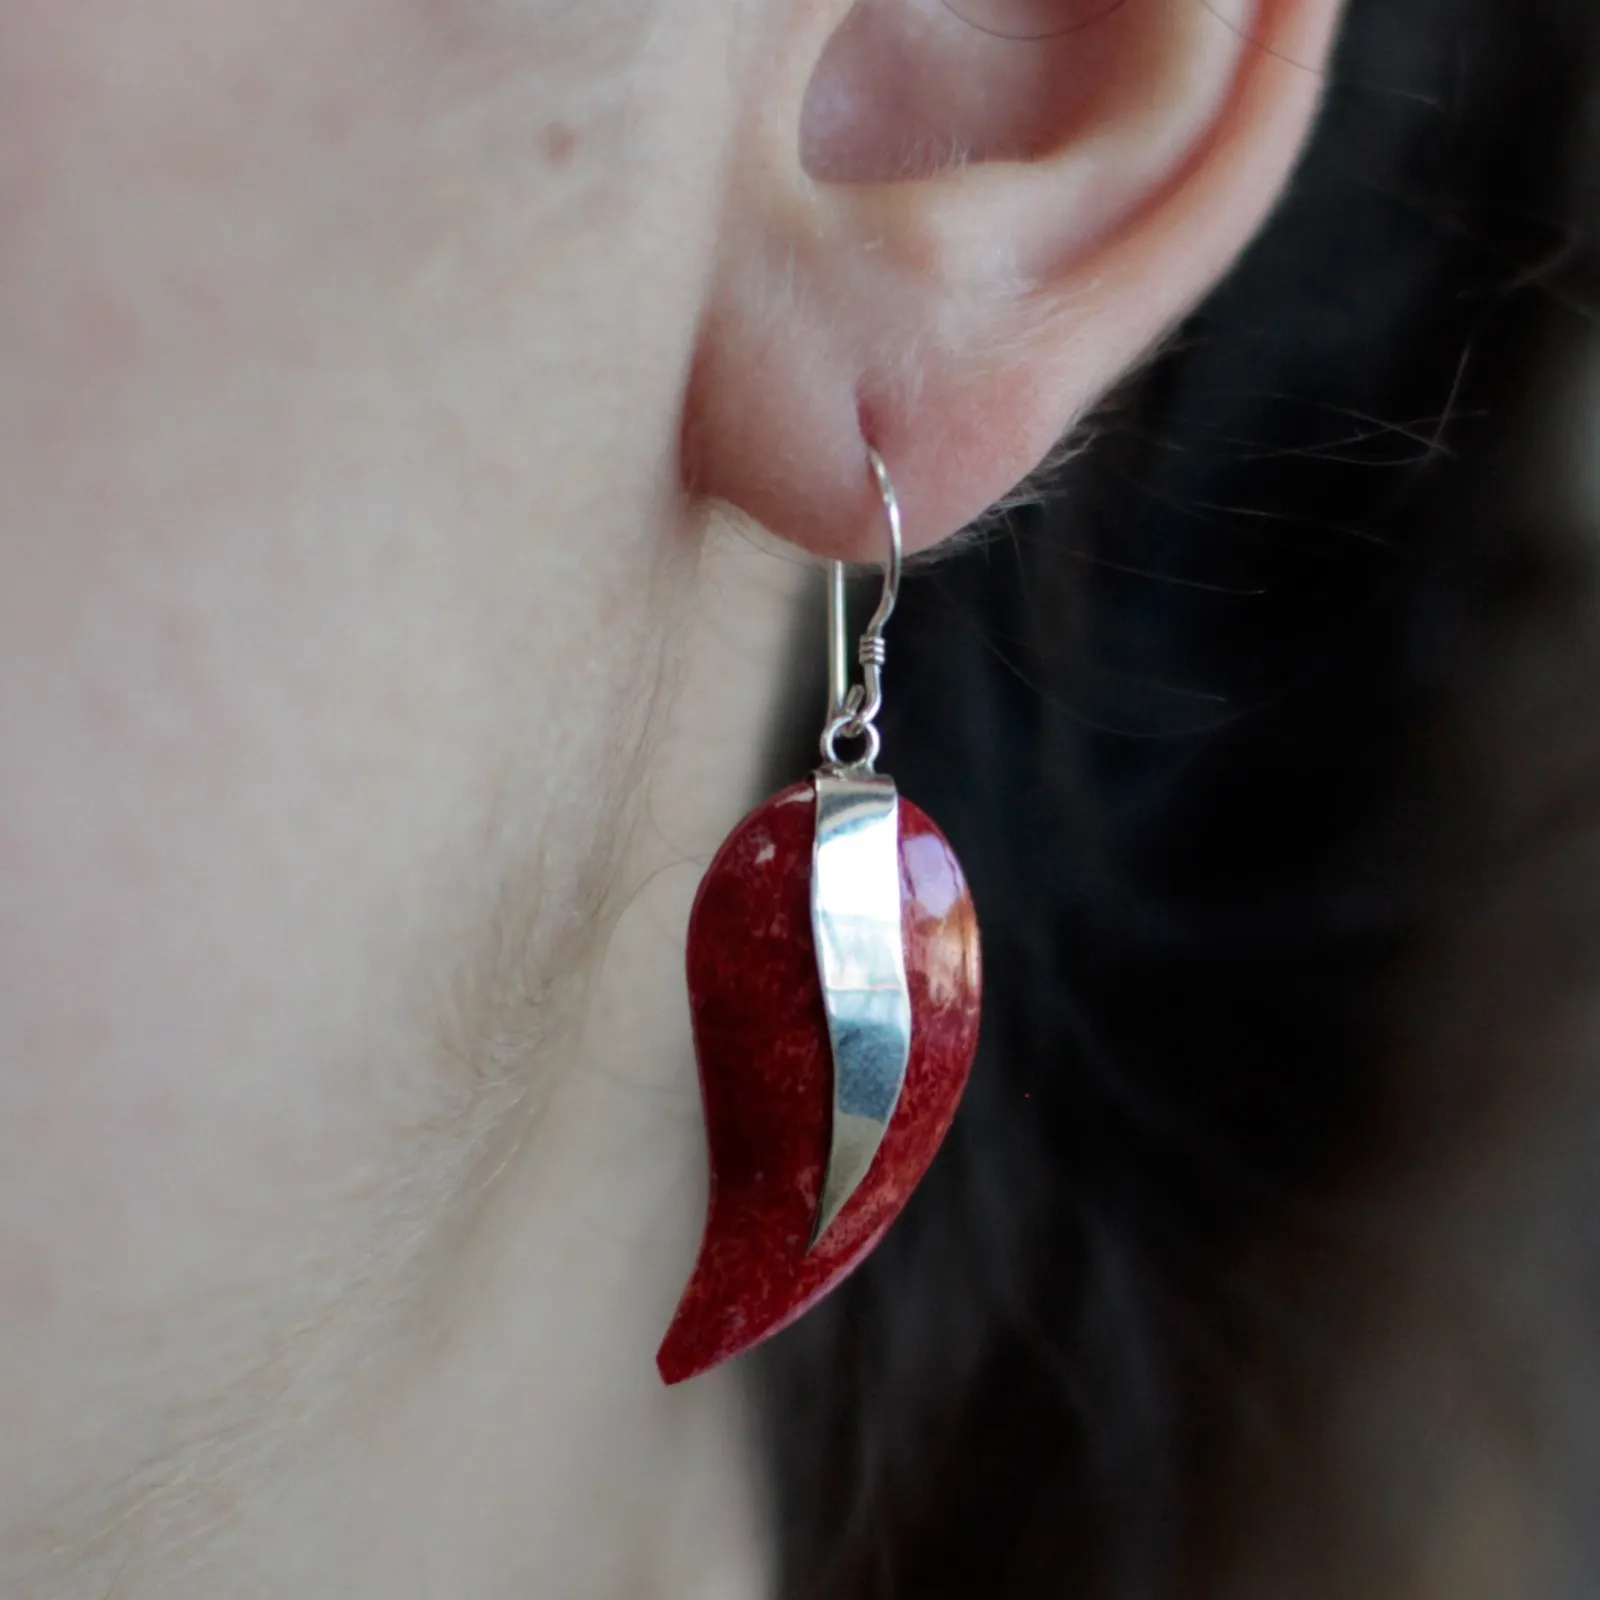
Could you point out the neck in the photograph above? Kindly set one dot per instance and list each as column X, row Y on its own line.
column 538, row 1450
column 510, row 1435
column 564, row 1451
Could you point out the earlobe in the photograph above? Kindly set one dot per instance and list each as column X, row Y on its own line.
column 952, row 239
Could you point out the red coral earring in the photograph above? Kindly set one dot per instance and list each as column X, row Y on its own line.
column 834, row 988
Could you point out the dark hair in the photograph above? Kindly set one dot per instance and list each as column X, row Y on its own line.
column 1252, row 1262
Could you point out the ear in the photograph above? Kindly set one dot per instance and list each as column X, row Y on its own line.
column 951, row 225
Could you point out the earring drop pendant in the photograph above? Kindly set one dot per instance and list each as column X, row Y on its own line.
column 834, row 990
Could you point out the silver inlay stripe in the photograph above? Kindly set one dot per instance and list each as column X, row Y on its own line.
column 856, row 918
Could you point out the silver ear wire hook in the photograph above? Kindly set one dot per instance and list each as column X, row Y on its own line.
column 853, row 707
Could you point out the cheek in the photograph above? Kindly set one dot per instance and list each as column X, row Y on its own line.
column 176, row 1011
column 250, row 835
column 300, row 692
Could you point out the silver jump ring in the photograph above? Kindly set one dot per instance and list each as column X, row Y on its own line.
column 844, row 730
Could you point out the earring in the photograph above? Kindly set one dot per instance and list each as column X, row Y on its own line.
column 834, row 989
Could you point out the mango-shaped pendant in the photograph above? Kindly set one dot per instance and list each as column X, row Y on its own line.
column 834, row 988
column 828, row 1086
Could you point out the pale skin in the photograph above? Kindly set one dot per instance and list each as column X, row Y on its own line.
column 377, row 672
